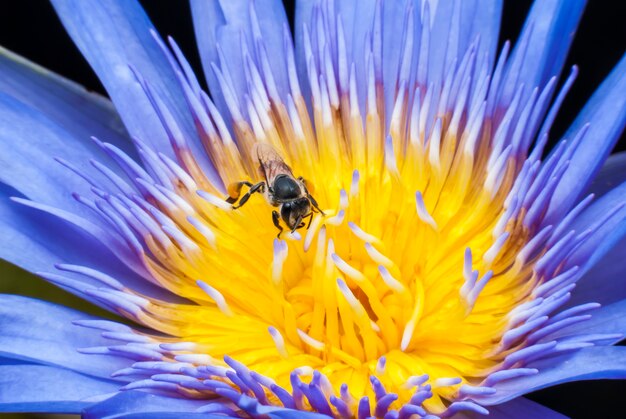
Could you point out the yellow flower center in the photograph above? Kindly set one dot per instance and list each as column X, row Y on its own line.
column 411, row 270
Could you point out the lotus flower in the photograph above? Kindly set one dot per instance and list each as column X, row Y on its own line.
column 451, row 267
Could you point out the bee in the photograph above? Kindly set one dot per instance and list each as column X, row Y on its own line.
column 280, row 188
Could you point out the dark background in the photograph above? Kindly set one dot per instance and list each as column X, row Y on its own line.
column 31, row 29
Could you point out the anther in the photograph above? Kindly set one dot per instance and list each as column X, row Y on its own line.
column 216, row 296
column 279, row 341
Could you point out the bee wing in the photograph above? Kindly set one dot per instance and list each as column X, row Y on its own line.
column 271, row 163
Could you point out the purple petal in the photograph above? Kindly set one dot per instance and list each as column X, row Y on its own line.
column 520, row 408
column 610, row 209
column 223, row 24
column 303, row 14
column 609, row 319
column 551, row 25
column 161, row 415
column 602, row 362
column 476, row 18
column 41, row 388
column 356, row 19
column 42, row 332
column 29, row 143
column 207, row 18
column 145, row 404
column 81, row 113
column 32, row 243
column 296, row 414
column 606, row 114
column 111, row 52
column 485, row 22
column 612, row 174
column 393, row 18
column 604, row 282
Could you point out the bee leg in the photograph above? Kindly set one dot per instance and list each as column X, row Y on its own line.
column 314, row 202
column 234, row 190
column 308, row 186
column 308, row 194
column 275, row 218
column 255, row 188
column 310, row 220
column 297, row 224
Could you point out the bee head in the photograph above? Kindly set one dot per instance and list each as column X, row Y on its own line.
column 292, row 212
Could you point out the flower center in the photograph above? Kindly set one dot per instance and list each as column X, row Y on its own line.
column 421, row 278
column 411, row 270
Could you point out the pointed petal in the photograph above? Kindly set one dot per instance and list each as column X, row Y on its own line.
column 28, row 325
column 612, row 174
column 485, row 23
column 207, row 18
column 31, row 241
column 551, row 25
column 393, row 17
column 606, row 114
column 476, row 18
column 521, row 408
column 225, row 24
column 609, row 319
column 602, row 362
column 41, row 388
column 161, row 415
column 141, row 403
column 29, row 144
column 611, row 209
column 304, row 12
column 604, row 283
column 79, row 112
column 295, row 414
column 114, row 35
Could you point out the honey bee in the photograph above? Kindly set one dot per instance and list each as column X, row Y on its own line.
column 280, row 188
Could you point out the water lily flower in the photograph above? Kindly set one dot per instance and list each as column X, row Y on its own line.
column 451, row 268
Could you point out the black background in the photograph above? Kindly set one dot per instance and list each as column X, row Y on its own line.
column 31, row 29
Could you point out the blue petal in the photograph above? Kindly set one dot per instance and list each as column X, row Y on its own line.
column 41, row 332
column 604, row 283
column 81, row 113
column 40, row 388
column 612, row 174
column 144, row 405
column 223, row 23
column 207, row 18
column 485, row 21
column 357, row 25
column 304, row 13
column 550, row 25
column 393, row 17
column 357, row 19
column 606, row 114
column 137, row 404
column 29, row 144
column 295, row 414
column 114, row 35
column 609, row 319
column 31, row 241
column 520, row 408
column 602, row 362
column 610, row 212
column 475, row 18
column 160, row 415
column 453, row 26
